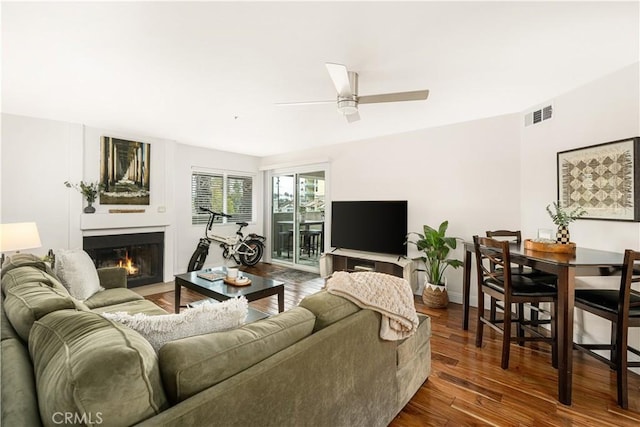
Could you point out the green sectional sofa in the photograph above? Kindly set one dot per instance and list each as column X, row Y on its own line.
column 319, row 364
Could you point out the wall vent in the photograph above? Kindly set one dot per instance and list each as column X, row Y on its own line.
column 538, row 115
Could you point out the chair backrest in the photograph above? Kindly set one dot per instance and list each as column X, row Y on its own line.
column 508, row 236
column 625, row 304
column 497, row 254
column 512, row 235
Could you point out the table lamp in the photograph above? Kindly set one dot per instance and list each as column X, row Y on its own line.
column 18, row 236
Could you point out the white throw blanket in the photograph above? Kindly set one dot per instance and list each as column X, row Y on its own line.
column 388, row 295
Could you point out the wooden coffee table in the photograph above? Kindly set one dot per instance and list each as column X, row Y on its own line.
column 260, row 287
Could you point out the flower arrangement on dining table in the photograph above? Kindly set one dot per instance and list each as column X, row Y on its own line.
column 562, row 217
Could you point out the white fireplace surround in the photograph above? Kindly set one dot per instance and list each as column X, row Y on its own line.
column 101, row 224
column 108, row 221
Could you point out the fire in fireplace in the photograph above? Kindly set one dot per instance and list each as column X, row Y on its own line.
column 141, row 254
column 129, row 265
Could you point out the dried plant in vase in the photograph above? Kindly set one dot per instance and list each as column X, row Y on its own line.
column 89, row 191
column 562, row 217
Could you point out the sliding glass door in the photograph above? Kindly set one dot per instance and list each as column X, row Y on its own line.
column 297, row 217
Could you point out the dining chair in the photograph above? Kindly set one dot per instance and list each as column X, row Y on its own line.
column 515, row 236
column 493, row 261
column 285, row 242
column 309, row 242
column 622, row 308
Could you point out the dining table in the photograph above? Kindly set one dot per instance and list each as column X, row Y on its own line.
column 583, row 261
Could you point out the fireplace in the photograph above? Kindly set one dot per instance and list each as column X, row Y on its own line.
column 141, row 254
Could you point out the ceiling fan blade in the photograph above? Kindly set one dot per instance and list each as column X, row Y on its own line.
column 340, row 77
column 353, row 117
column 416, row 95
column 293, row 104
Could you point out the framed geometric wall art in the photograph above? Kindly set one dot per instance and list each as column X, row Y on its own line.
column 603, row 179
column 124, row 172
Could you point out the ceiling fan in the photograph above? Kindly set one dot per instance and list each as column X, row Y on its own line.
column 346, row 83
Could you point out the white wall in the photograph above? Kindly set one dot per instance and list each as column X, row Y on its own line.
column 189, row 157
column 37, row 157
column 443, row 173
column 602, row 111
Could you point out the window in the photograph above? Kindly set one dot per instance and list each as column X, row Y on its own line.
column 221, row 192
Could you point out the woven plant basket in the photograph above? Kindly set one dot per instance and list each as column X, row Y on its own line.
column 435, row 296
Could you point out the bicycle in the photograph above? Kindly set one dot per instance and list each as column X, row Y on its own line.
column 243, row 250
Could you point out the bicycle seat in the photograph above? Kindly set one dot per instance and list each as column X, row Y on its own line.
column 243, row 224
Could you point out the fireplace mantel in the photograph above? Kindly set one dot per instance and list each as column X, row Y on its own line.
column 106, row 221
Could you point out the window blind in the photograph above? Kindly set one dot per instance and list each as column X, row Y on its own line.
column 231, row 194
column 206, row 191
column 240, row 197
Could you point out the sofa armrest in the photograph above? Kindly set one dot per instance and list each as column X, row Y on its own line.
column 112, row 277
column 328, row 308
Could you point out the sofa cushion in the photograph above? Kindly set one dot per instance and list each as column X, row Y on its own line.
column 193, row 364
column 30, row 273
column 202, row 319
column 31, row 301
column 6, row 330
column 76, row 271
column 328, row 308
column 111, row 297
column 18, row 396
column 86, row 364
column 23, row 260
column 112, row 277
column 132, row 307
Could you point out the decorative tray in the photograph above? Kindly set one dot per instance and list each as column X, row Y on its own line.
column 567, row 248
column 233, row 282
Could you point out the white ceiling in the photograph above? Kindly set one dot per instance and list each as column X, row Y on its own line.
column 208, row 73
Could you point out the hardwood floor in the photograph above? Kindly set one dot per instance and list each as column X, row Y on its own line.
column 467, row 387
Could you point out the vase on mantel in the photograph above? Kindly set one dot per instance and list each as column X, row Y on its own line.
column 562, row 235
column 89, row 209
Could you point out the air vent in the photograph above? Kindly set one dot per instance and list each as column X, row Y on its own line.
column 538, row 115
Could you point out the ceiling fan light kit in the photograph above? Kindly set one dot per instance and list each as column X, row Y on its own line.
column 347, row 106
column 346, row 84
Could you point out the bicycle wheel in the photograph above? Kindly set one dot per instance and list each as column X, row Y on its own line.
column 198, row 258
column 251, row 253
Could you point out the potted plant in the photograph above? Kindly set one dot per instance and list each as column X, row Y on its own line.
column 89, row 191
column 435, row 246
column 562, row 217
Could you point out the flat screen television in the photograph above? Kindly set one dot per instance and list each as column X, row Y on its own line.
column 371, row 226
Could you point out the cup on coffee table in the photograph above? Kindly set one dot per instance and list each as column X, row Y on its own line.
column 232, row 273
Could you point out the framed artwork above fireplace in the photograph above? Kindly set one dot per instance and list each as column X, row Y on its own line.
column 124, row 172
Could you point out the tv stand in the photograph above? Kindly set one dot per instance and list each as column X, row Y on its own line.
column 349, row 260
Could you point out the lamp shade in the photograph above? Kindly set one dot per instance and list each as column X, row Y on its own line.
column 19, row 235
